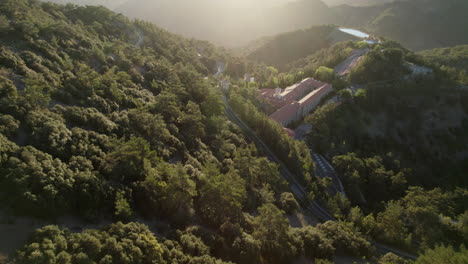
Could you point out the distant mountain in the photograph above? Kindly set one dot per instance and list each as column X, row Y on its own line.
column 417, row 24
column 423, row 24
column 229, row 22
column 283, row 49
column 358, row 2
column 107, row 3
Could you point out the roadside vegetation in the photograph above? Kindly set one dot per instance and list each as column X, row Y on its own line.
column 101, row 130
column 399, row 146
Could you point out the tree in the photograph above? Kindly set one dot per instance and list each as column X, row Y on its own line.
column 391, row 223
column 444, row 254
column 167, row 191
column 118, row 243
column 8, row 125
column 360, row 94
column 339, row 84
column 271, row 228
column 123, row 210
column 325, row 74
column 391, row 258
column 130, row 160
column 152, row 128
column 50, row 196
column 345, row 94
column 222, row 196
column 49, row 132
column 192, row 127
column 315, row 244
column 345, row 238
column 4, row 24
column 288, row 202
column 248, row 249
column 36, row 93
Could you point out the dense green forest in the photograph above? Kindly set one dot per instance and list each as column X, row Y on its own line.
column 456, row 57
column 399, row 144
column 120, row 125
column 106, row 119
column 398, row 141
column 453, row 60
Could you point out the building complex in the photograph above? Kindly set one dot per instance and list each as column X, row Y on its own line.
column 295, row 102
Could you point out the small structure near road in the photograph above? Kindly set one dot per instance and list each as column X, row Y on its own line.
column 419, row 70
column 248, row 78
column 296, row 101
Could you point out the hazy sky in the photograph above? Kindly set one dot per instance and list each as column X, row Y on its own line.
column 230, row 3
column 222, row 21
column 225, row 22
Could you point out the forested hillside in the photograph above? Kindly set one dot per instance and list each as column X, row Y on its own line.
column 399, row 143
column 283, row 49
column 120, row 126
column 440, row 23
column 103, row 119
column 111, row 4
column 357, row 2
column 396, row 138
column 453, row 60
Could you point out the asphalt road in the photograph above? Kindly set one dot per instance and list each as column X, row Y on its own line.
column 346, row 66
column 324, row 169
column 297, row 189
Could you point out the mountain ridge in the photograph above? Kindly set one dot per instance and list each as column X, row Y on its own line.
column 403, row 21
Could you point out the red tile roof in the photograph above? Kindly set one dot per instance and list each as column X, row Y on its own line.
column 269, row 95
column 291, row 111
column 295, row 101
column 290, row 94
column 286, row 113
column 314, row 95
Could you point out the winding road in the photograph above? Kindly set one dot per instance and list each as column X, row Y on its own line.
column 297, row 189
column 352, row 61
column 325, row 169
